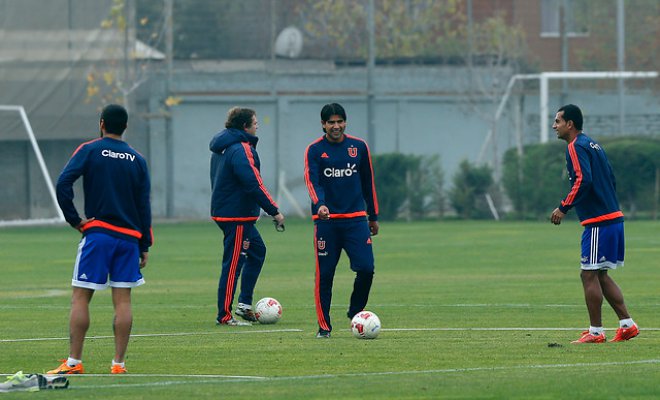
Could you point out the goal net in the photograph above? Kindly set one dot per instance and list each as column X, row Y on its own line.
column 27, row 194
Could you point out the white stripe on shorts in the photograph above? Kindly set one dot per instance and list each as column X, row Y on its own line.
column 593, row 259
column 77, row 262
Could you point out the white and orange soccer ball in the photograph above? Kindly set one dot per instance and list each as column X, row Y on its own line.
column 268, row 310
column 365, row 325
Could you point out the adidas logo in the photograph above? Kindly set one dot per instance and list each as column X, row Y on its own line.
column 325, row 155
column 602, row 259
column 83, row 276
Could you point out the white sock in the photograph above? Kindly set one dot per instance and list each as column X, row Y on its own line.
column 626, row 323
column 72, row 362
column 596, row 330
column 121, row 364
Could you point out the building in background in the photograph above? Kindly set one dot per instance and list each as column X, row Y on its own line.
column 441, row 69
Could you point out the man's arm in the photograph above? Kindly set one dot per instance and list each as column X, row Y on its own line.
column 579, row 167
column 368, row 185
column 250, row 178
column 314, row 188
column 64, row 188
column 144, row 210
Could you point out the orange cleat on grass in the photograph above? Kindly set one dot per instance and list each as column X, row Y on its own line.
column 65, row 369
column 118, row 369
column 623, row 334
column 590, row 338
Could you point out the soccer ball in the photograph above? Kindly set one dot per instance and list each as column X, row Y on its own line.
column 365, row 325
column 268, row 310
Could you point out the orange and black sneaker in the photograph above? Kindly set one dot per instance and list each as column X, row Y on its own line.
column 118, row 369
column 65, row 369
column 623, row 334
column 588, row 337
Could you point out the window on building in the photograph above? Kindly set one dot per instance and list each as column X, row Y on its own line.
column 576, row 17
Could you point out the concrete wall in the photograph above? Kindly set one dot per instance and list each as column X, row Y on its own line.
column 418, row 111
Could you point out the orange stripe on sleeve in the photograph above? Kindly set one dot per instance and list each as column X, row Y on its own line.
column 310, row 187
column 248, row 153
column 83, row 145
column 578, row 175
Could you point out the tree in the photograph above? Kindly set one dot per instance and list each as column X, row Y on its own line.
column 642, row 36
column 470, row 185
column 415, row 30
column 121, row 71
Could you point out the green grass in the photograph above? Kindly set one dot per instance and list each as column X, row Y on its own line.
column 468, row 276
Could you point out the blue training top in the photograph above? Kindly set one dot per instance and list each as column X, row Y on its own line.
column 341, row 177
column 593, row 193
column 236, row 185
column 116, row 188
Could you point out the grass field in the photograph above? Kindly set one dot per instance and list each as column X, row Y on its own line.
column 469, row 310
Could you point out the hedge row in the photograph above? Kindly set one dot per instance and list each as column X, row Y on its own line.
column 537, row 181
column 412, row 187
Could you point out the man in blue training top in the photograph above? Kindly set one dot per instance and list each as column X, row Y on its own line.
column 238, row 194
column 340, row 181
column 593, row 194
column 116, row 231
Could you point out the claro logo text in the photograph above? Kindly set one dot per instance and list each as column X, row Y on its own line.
column 340, row 172
column 121, row 156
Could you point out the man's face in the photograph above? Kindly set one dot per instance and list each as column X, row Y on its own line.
column 252, row 129
column 334, row 128
column 561, row 126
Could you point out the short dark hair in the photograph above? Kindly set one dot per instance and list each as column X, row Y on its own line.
column 115, row 119
column 331, row 109
column 572, row 113
column 239, row 118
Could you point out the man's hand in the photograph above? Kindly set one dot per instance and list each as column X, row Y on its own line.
column 82, row 223
column 556, row 216
column 278, row 219
column 373, row 228
column 323, row 212
column 144, row 256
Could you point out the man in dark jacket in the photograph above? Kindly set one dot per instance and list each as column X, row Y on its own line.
column 340, row 181
column 116, row 232
column 238, row 194
column 593, row 194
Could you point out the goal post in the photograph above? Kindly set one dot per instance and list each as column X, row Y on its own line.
column 44, row 171
column 544, row 95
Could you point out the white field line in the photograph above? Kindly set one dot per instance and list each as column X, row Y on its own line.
column 158, row 335
column 487, row 329
column 238, row 378
column 494, row 329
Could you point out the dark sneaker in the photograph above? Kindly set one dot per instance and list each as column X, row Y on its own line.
column 52, row 381
column 245, row 311
column 323, row 334
column 233, row 322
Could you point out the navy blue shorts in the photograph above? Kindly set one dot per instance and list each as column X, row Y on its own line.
column 603, row 247
column 104, row 260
